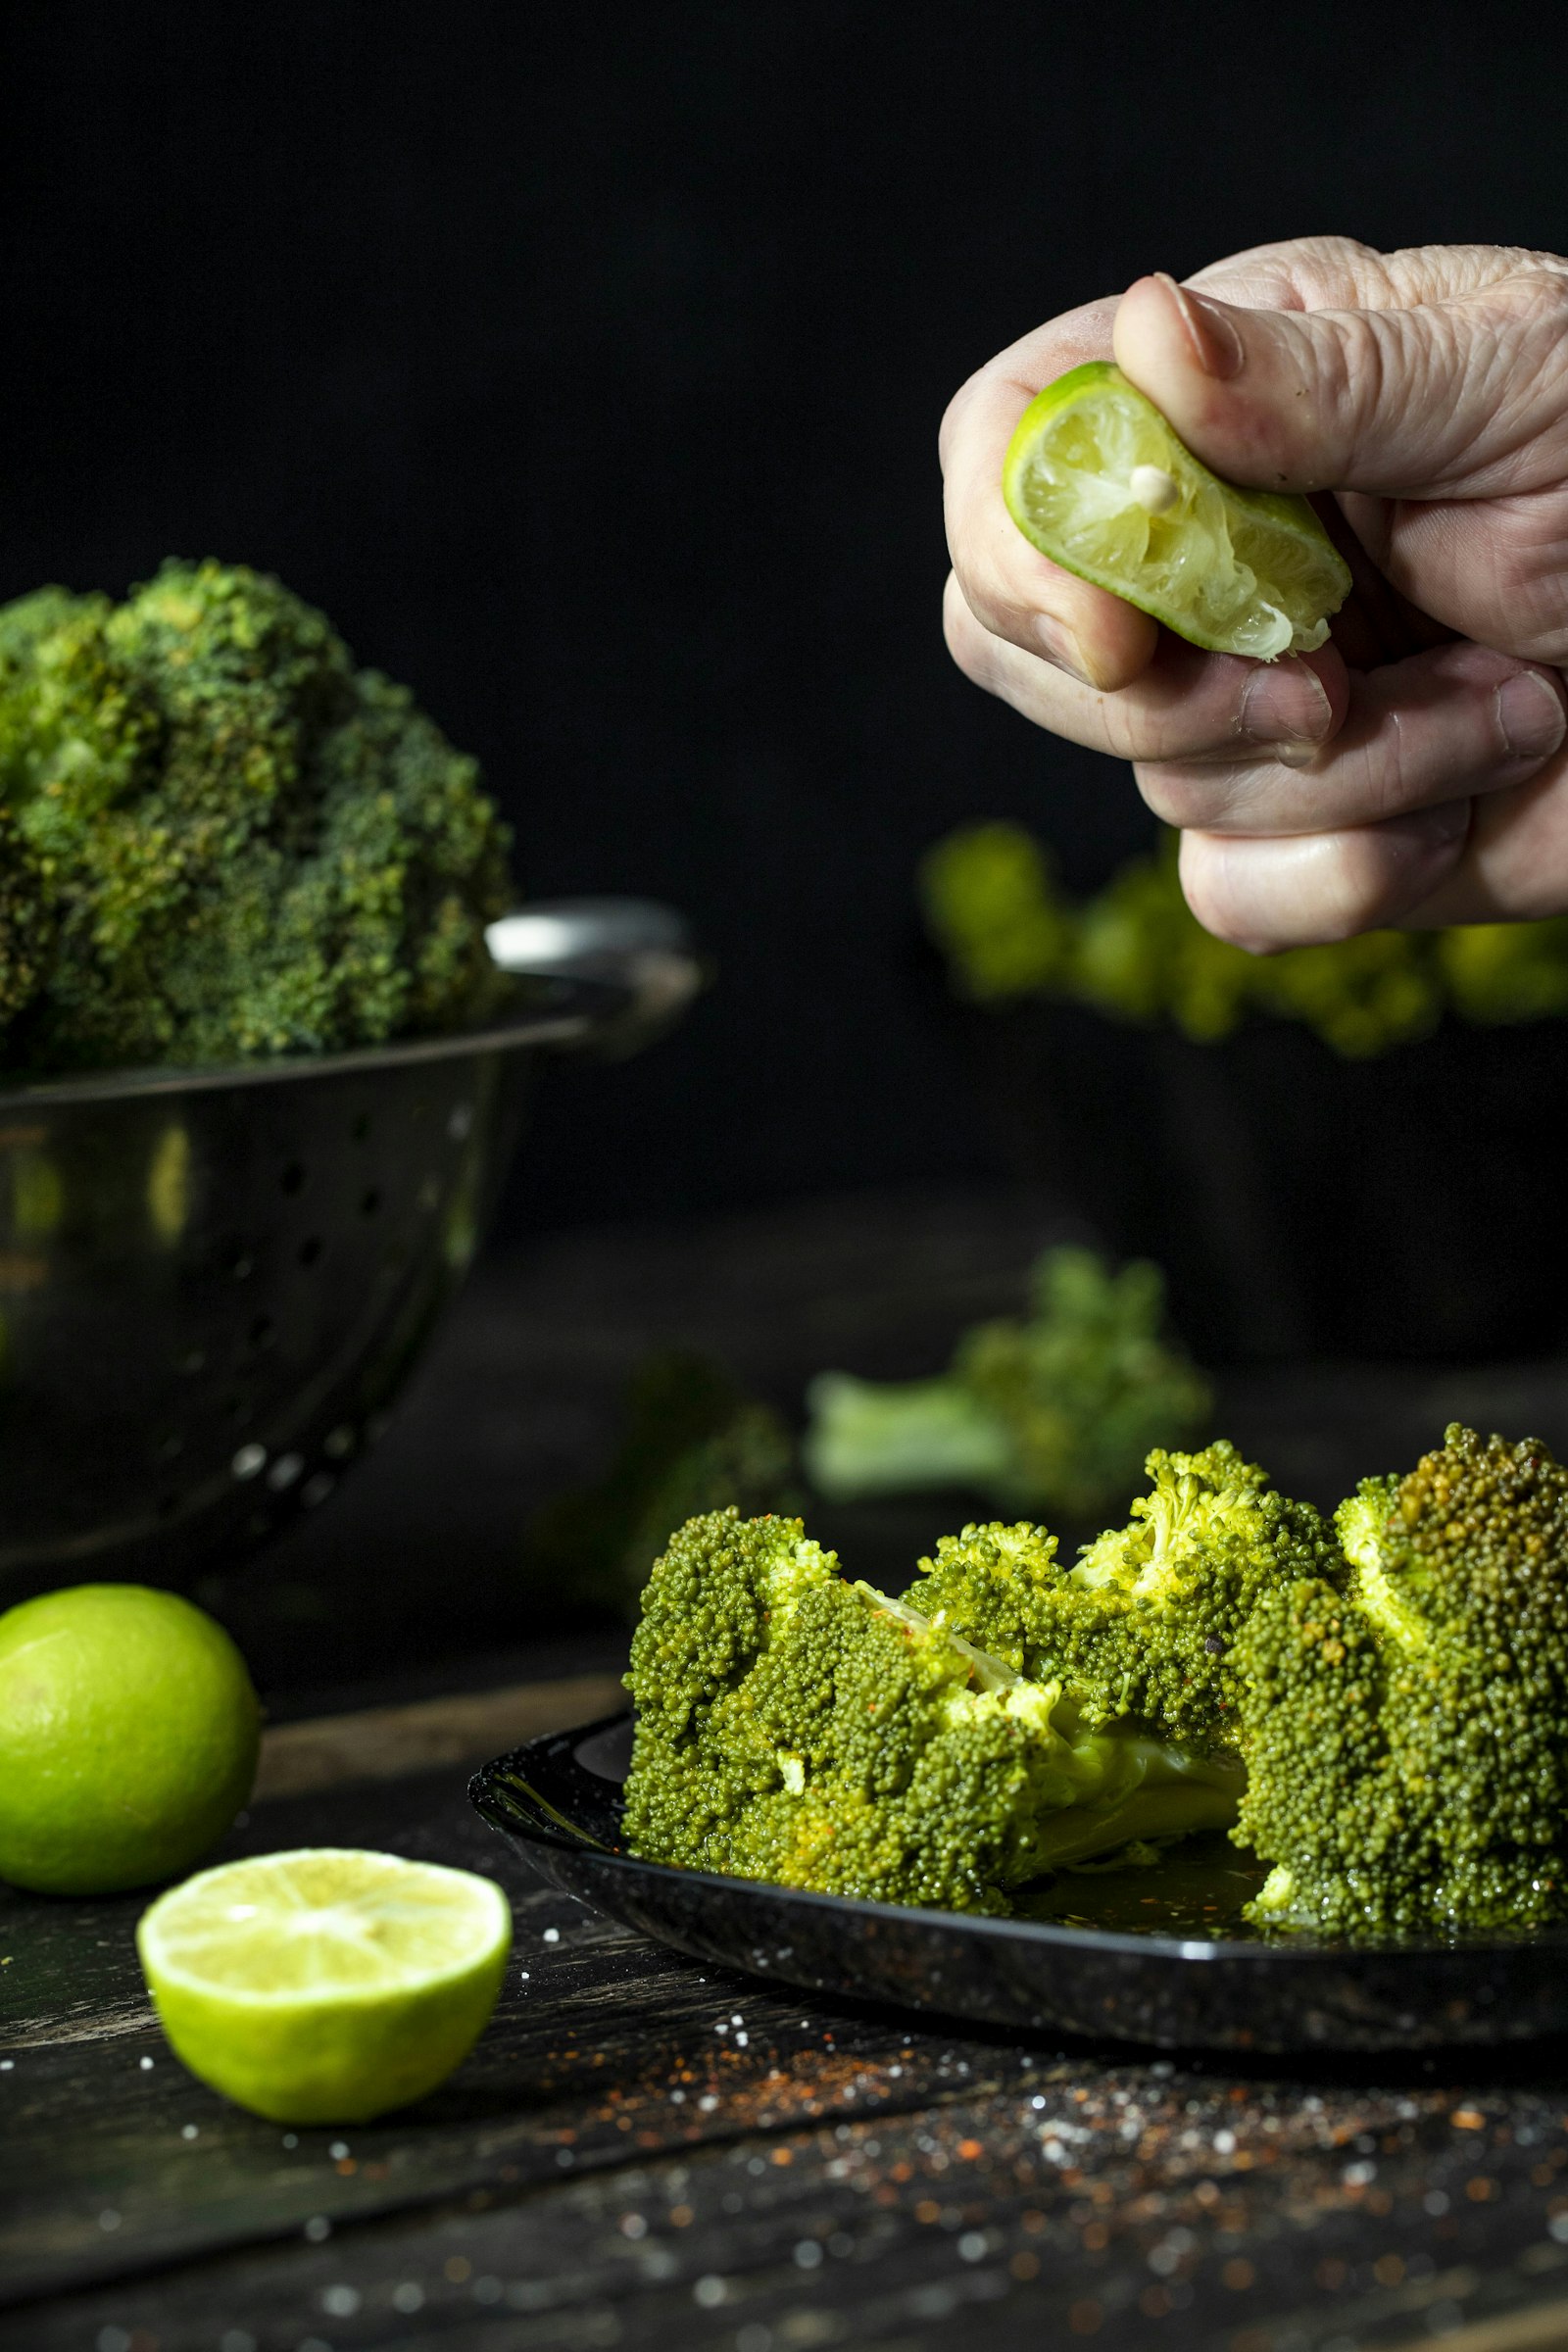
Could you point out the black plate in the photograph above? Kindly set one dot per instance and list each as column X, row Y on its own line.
column 1157, row 1956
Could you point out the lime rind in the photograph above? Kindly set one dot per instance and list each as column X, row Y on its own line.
column 1097, row 480
column 128, row 1736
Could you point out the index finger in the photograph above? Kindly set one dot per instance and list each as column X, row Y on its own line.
column 1011, row 589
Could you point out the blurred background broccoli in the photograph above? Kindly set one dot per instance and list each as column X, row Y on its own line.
column 218, row 839
column 691, row 1440
column 1049, row 1413
column 996, row 910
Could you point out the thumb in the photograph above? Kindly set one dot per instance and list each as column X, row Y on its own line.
column 1400, row 401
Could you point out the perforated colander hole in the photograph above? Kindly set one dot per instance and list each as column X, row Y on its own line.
column 292, row 1179
column 263, row 1331
column 248, row 1460
column 460, row 1122
column 284, row 1471
column 338, row 1442
column 235, row 1258
column 194, row 1361
column 311, row 1250
column 369, row 1202
column 170, row 1449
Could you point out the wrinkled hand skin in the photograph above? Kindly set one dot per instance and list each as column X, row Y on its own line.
column 1413, row 771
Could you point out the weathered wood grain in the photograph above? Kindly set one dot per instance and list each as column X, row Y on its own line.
column 388, row 1743
column 616, row 2166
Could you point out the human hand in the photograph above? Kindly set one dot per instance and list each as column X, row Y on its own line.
column 1414, row 770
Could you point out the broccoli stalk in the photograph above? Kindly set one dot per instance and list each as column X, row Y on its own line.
column 1405, row 1738
column 798, row 1729
column 221, row 840
column 1051, row 1413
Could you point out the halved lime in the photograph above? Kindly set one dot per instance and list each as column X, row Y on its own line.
column 1097, row 480
column 325, row 1985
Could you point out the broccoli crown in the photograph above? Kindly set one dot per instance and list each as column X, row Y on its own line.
column 1145, row 1623
column 1408, row 1739
column 231, row 842
column 795, row 1728
column 1053, row 1411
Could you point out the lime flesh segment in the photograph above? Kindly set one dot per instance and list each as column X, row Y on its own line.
column 1095, row 479
column 325, row 1985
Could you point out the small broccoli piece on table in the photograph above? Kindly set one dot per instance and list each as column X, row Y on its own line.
column 221, row 840
column 1054, row 1412
column 1406, row 1739
column 1145, row 1621
column 691, row 1440
column 798, row 1729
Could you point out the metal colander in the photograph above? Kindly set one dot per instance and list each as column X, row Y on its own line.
column 212, row 1282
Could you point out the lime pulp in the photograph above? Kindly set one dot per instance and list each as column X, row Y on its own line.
column 1097, row 480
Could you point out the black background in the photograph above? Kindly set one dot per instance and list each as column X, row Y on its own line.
column 586, row 366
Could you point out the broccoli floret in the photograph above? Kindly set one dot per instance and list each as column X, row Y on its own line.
column 1507, row 971
column 26, row 926
column 1052, row 1413
column 1145, row 1621
column 1136, row 953
column 798, row 1729
column 994, row 906
column 690, row 1441
column 1406, row 1740
column 227, row 841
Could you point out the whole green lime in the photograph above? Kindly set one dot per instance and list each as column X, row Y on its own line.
column 128, row 1735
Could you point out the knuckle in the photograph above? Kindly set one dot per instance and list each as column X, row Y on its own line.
column 1539, row 297
column 1222, row 914
column 950, row 426
column 972, row 645
column 1326, row 267
column 955, row 415
column 1179, row 795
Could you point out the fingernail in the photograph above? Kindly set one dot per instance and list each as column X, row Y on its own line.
column 1530, row 717
column 1061, row 646
column 1286, row 706
column 1216, row 345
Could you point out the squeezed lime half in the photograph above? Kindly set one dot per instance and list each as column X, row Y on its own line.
column 327, row 1984
column 1095, row 479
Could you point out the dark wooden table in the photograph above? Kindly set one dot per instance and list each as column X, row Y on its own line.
column 645, row 2152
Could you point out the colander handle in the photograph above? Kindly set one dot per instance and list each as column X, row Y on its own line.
column 640, row 947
